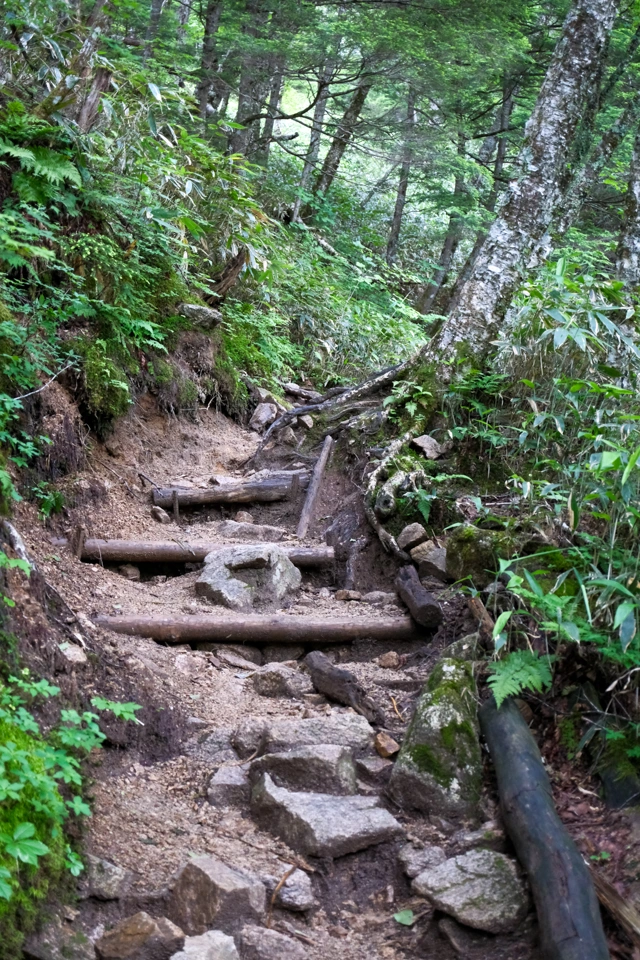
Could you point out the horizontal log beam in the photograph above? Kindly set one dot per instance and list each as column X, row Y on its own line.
column 250, row 491
column 255, row 629
column 172, row 551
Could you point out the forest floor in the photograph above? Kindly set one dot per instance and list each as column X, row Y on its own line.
column 150, row 806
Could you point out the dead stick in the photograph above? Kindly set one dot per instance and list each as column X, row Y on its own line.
column 485, row 622
column 314, row 489
column 281, row 882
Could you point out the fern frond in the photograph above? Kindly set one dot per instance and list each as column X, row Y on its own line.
column 520, row 670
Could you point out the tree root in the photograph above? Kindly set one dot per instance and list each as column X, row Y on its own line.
column 380, row 473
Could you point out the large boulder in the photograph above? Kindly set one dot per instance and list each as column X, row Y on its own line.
column 239, row 576
column 482, row 889
column 263, row 415
column 140, row 937
column 439, row 768
column 208, row 894
column 343, row 729
column 322, row 768
column 473, row 553
column 322, row 825
column 58, row 940
column 212, row 945
column 204, row 317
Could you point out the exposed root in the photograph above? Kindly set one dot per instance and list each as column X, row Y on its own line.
column 380, row 473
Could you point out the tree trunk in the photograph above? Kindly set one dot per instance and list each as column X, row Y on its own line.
column 628, row 253
column 254, row 81
column 172, row 551
column 277, row 82
column 517, row 235
column 403, row 182
column 184, row 13
column 157, row 7
column 343, row 136
column 89, row 110
column 208, row 61
column 316, row 134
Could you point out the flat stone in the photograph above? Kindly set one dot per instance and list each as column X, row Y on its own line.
column 322, row 825
column 439, row 768
column 259, row 943
column 295, row 894
column 348, row 595
column 434, row 564
column 58, row 941
column 248, row 530
column 280, row 652
column 411, row 536
column 243, row 516
column 306, row 421
column 245, row 653
column 429, row 447
column 209, row 895
column 374, row 770
column 279, row 680
column 204, row 317
column 322, row 768
column 129, row 571
column 212, row 945
column 140, row 937
column 385, row 745
column 103, row 880
column 490, row 836
column 343, row 729
column 160, row 515
column 263, row 415
column 381, row 597
column 228, row 786
column 466, row 648
column 74, row 655
column 415, row 860
column 269, row 575
column 481, row 889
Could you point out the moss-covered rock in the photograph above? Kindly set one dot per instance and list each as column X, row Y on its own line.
column 474, row 553
column 439, row 767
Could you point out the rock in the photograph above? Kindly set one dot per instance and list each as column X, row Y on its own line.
column 245, row 530
column 228, row 786
column 295, row 894
column 429, row 447
column 74, row 655
column 140, row 937
column 268, row 576
column 204, row 317
column 58, row 941
column 103, row 880
column 264, row 395
column 243, row 516
column 473, row 554
column 344, row 729
column 439, row 768
column 306, row 421
column 490, row 836
column 389, row 660
column 281, row 652
column 232, row 659
column 323, row 768
column 212, row 945
column 482, row 889
column 416, row 859
column 375, row 770
column 466, row 648
column 385, row 745
column 380, row 597
column 278, row 680
column 430, row 560
column 160, row 515
column 129, row 572
column 243, row 652
column 412, row 536
column 208, row 894
column 286, row 435
column 348, row 595
column 263, row 415
column 324, row 593
column 259, row 943
column 322, row 825
column 464, row 940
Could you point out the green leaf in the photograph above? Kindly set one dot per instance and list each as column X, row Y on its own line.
column 155, row 92
column 573, row 508
column 501, row 623
column 633, row 459
column 405, row 917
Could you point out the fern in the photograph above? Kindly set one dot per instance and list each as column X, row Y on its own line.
column 520, row 670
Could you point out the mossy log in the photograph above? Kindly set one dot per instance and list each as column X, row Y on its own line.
column 565, row 898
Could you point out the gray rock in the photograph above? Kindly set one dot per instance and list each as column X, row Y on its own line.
column 263, row 415
column 429, row 447
column 74, row 655
column 490, row 836
column 412, row 536
column 278, row 680
column 482, row 889
column 245, row 530
column 229, row 785
column 286, row 435
column 58, row 941
column 439, row 768
column 160, row 515
column 208, row 894
column 129, row 571
column 243, row 516
column 267, row 571
column 434, row 564
column 259, row 943
column 475, row 553
column 344, row 729
column 374, row 770
column 212, row 945
column 204, row 317
column 306, row 421
column 140, row 937
column 279, row 653
column 416, row 859
column 103, row 880
column 376, row 597
column 246, row 653
column 295, row 894
column 322, row 768
column 322, row 825
column 466, row 648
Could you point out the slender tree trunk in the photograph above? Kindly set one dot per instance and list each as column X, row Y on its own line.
column 183, row 18
column 277, row 82
column 316, row 134
column 254, row 82
column 157, row 7
column 518, row 234
column 379, row 184
column 89, row 109
column 208, row 61
column 403, row 182
column 343, row 136
column 628, row 253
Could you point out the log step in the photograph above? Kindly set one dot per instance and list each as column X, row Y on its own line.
column 172, row 551
column 250, row 491
column 262, row 630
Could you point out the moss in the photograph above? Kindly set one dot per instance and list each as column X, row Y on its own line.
column 453, row 732
column 105, row 382
column 161, row 372
column 427, row 762
column 187, row 394
column 473, row 553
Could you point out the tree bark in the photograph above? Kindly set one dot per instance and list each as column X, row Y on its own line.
column 403, row 182
column 253, row 491
column 254, row 81
column 341, row 140
column 183, row 18
column 277, row 82
column 314, row 489
column 157, row 7
column 518, row 234
column 208, row 61
column 316, row 134
column 422, row 606
column 628, row 253
column 341, row 685
column 170, row 551
column 91, row 104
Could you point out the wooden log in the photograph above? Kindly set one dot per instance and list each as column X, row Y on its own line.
column 423, row 607
column 314, row 488
column 262, row 630
column 341, row 685
column 566, row 902
column 174, row 551
column 249, row 491
column 623, row 912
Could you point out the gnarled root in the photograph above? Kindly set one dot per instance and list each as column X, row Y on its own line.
column 380, row 473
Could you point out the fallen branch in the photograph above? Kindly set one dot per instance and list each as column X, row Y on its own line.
column 480, row 612
column 250, row 491
column 341, row 685
column 170, row 551
column 314, row 489
column 566, row 903
column 422, row 605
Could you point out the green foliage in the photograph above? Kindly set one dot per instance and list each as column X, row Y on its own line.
column 50, row 501
column 519, row 671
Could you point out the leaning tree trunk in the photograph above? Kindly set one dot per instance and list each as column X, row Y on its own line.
column 403, row 182
column 313, row 152
column 208, row 61
column 628, row 253
column 517, row 235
